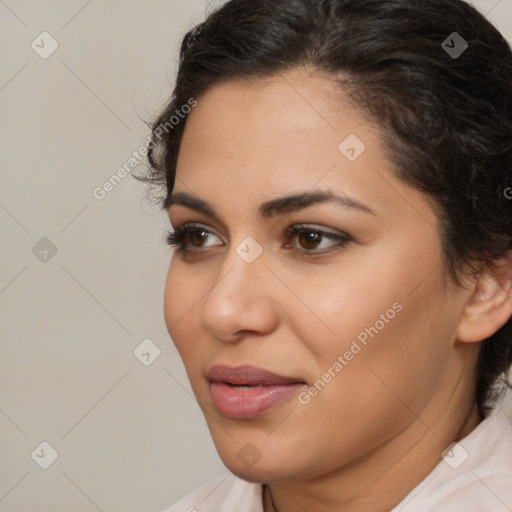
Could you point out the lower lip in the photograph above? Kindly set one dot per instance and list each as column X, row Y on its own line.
column 252, row 401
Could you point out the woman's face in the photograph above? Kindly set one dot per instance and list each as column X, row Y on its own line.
column 366, row 327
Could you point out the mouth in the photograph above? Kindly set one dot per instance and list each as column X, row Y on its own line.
column 247, row 391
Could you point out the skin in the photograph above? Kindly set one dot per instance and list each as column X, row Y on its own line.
column 380, row 426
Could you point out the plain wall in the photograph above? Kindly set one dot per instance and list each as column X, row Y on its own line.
column 129, row 437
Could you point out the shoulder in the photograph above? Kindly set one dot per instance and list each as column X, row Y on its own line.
column 227, row 493
column 475, row 475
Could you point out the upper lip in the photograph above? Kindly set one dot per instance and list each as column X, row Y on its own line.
column 247, row 375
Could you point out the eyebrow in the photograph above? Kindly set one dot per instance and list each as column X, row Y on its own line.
column 274, row 207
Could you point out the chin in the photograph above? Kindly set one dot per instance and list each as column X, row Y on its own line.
column 262, row 470
column 253, row 476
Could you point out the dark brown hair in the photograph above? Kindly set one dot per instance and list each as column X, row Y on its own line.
column 446, row 117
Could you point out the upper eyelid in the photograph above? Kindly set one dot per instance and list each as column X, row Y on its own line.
column 195, row 225
column 297, row 227
column 340, row 240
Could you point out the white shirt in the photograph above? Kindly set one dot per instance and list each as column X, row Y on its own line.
column 475, row 475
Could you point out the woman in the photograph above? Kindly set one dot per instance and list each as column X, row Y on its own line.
column 337, row 174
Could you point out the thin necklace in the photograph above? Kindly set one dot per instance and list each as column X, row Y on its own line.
column 274, row 509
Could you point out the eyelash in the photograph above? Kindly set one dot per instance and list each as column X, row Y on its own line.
column 179, row 237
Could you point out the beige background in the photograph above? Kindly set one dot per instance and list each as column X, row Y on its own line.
column 129, row 437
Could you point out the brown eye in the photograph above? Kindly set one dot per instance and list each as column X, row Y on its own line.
column 310, row 239
column 189, row 238
column 199, row 235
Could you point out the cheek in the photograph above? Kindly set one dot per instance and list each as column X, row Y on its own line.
column 332, row 306
column 184, row 294
column 388, row 325
column 363, row 399
column 180, row 298
column 394, row 351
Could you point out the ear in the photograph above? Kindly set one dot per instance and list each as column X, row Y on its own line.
column 489, row 306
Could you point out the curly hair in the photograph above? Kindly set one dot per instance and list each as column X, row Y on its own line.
column 446, row 117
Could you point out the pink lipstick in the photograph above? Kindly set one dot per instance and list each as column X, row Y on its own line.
column 246, row 391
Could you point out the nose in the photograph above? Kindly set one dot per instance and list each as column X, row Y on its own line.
column 241, row 300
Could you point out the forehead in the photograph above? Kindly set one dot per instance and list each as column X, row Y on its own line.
column 252, row 140
column 281, row 126
column 286, row 105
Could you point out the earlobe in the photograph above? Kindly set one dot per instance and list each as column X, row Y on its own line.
column 489, row 306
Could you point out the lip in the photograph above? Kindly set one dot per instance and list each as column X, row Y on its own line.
column 264, row 390
column 247, row 375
